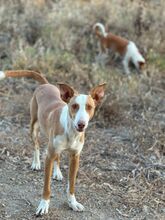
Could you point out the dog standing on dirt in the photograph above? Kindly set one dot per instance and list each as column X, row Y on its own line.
column 63, row 115
column 126, row 49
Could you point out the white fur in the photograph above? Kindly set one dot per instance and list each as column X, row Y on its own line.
column 71, row 137
column 2, row 75
column 43, row 207
column 60, row 143
column 77, row 146
column 64, row 119
column 70, row 141
column 82, row 115
column 72, row 202
column 36, row 164
column 101, row 28
column 57, row 172
column 132, row 54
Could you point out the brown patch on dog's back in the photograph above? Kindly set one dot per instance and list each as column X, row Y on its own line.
column 116, row 43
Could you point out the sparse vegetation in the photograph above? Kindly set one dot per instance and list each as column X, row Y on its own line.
column 122, row 164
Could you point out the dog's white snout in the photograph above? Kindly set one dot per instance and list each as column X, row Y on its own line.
column 82, row 117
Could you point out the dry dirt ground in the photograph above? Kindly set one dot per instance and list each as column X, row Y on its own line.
column 118, row 178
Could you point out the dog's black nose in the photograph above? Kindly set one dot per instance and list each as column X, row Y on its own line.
column 81, row 125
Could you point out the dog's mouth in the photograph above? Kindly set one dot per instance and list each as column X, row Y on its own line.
column 80, row 129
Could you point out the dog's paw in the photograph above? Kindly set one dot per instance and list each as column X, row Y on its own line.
column 36, row 165
column 76, row 206
column 57, row 175
column 43, row 207
column 73, row 204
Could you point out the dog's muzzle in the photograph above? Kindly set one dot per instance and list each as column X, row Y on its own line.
column 80, row 126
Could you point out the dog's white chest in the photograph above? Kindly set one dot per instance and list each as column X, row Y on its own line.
column 63, row 142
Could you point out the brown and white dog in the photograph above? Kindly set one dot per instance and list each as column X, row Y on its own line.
column 125, row 48
column 63, row 115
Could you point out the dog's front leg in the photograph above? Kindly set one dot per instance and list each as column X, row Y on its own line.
column 57, row 175
column 44, row 203
column 126, row 65
column 74, row 165
column 102, row 57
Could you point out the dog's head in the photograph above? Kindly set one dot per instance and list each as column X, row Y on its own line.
column 99, row 30
column 81, row 107
column 141, row 65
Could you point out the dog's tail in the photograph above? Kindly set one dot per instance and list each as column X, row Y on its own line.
column 99, row 29
column 23, row 73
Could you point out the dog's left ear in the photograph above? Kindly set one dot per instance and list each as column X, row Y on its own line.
column 97, row 93
column 66, row 92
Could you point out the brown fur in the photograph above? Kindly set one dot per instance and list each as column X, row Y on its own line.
column 48, row 172
column 49, row 106
column 90, row 106
column 111, row 41
column 27, row 73
column 74, row 165
column 141, row 65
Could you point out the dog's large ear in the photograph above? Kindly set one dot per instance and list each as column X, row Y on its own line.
column 66, row 92
column 97, row 93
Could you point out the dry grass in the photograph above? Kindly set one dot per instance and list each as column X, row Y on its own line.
column 55, row 37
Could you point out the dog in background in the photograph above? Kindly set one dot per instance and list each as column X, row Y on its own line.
column 125, row 48
column 63, row 115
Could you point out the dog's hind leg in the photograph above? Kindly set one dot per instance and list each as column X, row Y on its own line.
column 57, row 172
column 34, row 130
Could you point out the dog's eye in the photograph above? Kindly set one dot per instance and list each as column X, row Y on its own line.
column 75, row 106
column 88, row 107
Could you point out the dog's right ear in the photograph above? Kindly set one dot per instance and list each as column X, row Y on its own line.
column 97, row 93
column 66, row 92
